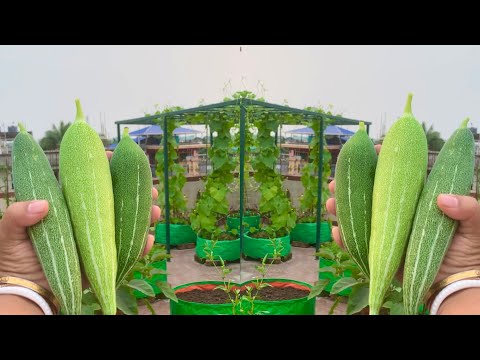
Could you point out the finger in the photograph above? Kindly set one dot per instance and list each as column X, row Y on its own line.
column 154, row 194
column 20, row 215
column 155, row 216
column 331, row 186
column 336, row 236
column 109, row 154
column 463, row 208
column 330, row 204
column 149, row 244
column 378, row 147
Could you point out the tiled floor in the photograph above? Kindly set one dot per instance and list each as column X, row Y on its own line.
column 302, row 267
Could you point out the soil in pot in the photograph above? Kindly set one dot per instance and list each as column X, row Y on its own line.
column 264, row 235
column 224, row 236
column 220, row 297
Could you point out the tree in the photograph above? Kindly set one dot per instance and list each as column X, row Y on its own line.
column 53, row 137
column 434, row 140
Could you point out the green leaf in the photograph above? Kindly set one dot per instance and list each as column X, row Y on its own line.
column 342, row 284
column 167, row 290
column 270, row 193
column 330, row 269
column 218, row 192
column 326, row 254
column 90, row 309
column 395, row 308
column 158, row 272
column 126, row 301
column 203, row 208
column 358, row 298
column 142, row 286
column 318, row 288
column 88, row 297
column 159, row 256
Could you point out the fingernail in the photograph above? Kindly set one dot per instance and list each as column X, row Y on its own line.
column 36, row 207
column 448, row 201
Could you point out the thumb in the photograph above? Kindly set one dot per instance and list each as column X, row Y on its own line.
column 20, row 215
column 466, row 209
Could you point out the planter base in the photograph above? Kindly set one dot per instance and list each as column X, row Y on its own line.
column 301, row 244
column 184, row 246
column 228, row 250
column 179, row 235
column 276, row 261
column 214, row 263
column 307, row 233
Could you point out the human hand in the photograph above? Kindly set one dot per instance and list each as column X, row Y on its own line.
column 17, row 255
column 464, row 251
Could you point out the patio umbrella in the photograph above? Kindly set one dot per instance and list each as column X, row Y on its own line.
column 329, row 130
column 136, row 139
column 157, row 130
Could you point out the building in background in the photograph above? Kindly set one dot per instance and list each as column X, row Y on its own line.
column 7, row 137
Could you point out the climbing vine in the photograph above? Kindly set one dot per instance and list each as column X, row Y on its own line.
column 212, row 206
column 177, row 179
column 249, row 146
column 274, row 202
column 309, row 178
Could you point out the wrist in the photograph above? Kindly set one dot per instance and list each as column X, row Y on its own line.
column 18, row 305
column 463, row 302
column 36, row 277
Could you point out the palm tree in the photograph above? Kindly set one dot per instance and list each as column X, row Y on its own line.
column 53, row 138
column 434, row 140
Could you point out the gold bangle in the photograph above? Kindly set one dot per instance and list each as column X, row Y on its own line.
column 47, row 295
column 469, row 274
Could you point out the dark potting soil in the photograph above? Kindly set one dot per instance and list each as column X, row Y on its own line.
column 264, row 235
column 227, row 236
column 221, row 237
column 260, row 235
column 288, row 293
column 205, row 296
column 220, row 297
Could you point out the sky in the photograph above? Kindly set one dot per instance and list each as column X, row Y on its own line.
column 39, row 84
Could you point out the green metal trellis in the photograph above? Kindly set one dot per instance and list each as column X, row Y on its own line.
column 242, row 104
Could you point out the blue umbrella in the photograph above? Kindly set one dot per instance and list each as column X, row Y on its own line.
column 302, row 131
column 330, row 130
column 157, row 130
column 136, row 139
column 149, row 130
column 335, row 128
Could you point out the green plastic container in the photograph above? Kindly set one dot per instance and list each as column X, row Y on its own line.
column 152, row 281
column 251, row 221
column 333, row 279
column 258, row 248
column 228, row 249
column 194, row 308
column 301, row 306
column 179, row 234
column 307, row 232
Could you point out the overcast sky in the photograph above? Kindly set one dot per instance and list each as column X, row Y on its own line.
column 38, row 84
